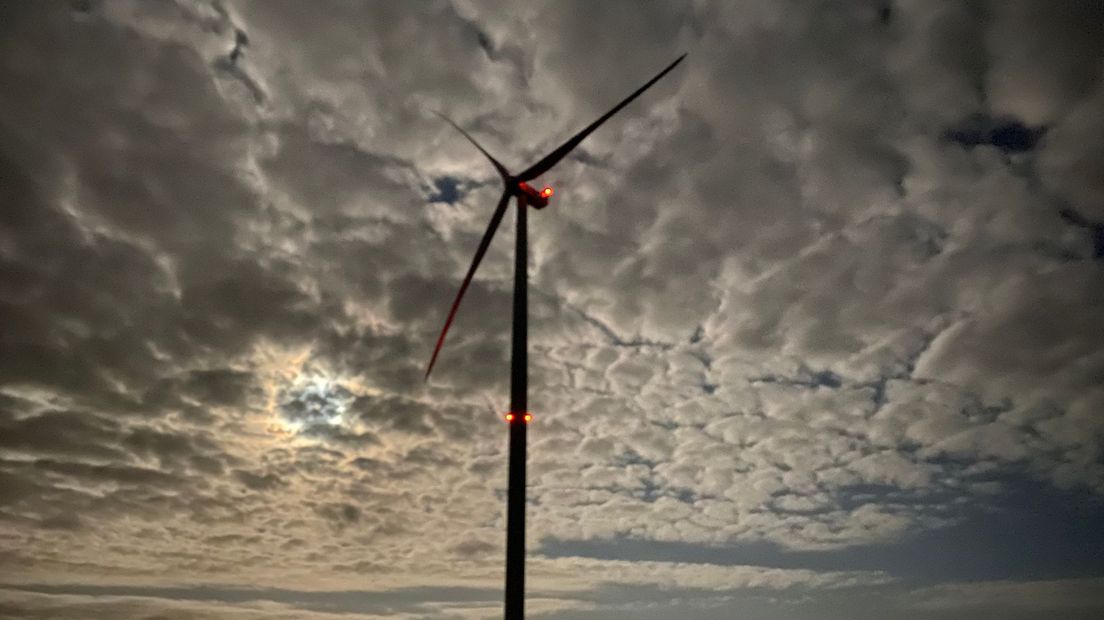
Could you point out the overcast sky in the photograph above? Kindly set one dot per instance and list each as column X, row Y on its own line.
column 817, row 323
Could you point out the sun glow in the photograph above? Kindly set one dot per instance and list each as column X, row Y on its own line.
column 312, row 402
column 303, row 394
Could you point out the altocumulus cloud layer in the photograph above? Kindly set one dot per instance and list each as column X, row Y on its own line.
column 816, row 323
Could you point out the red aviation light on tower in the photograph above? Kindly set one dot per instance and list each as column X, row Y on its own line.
column 528, row 418
column 509, row 417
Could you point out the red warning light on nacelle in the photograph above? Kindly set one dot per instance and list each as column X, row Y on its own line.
column 546, row 192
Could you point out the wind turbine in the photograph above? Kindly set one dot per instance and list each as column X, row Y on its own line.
column 519, row 417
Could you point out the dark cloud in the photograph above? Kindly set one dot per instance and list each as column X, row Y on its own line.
column 339, row 515
column 1008, row 135
column 220, row 387
column 77, row 433
column 258, row 482
column 1095, row 230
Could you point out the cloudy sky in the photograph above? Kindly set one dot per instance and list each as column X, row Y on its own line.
column 816, row 323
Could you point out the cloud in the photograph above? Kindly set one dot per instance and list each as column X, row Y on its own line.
column 1072, row 595
column 807, row 293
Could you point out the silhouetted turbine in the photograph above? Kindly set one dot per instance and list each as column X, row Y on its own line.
column 519, row 417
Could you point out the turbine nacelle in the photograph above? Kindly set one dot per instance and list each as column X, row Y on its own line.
column 534, row 198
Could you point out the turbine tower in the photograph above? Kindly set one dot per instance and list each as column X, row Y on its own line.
column 519, row 417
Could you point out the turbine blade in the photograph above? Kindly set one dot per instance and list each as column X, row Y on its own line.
column 484, row 243
column 555, row 156
column 502, row 171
